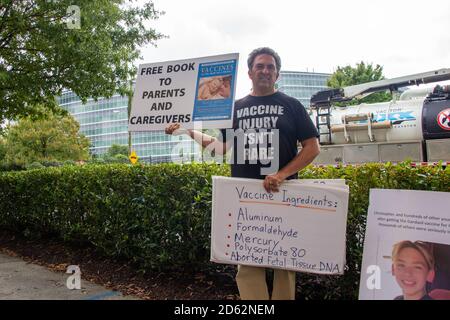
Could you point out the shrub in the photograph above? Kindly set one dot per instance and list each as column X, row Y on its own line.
column 158, row 216
column 34, row 165
column 48, row 163
column 69, row 163
column 11, row 166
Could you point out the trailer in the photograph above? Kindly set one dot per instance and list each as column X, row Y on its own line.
column 414, row 126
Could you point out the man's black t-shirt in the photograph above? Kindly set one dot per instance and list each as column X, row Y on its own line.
column 265, row 133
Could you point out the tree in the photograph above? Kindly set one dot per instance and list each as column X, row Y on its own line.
column 53, row 138
column 42, row 51
column 116, row 154
column 2, row 149
column 362, row 73
column 116, row 149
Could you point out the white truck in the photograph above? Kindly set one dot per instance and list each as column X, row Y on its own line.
column 415, row 126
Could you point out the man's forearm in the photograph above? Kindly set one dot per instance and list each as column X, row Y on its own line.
column 301, row 160
column 202, row 139
column 309, row 151
column 206, row 141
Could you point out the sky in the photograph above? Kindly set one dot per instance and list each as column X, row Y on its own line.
column 404, row 36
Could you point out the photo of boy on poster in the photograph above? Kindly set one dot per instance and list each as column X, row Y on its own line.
column 422, row 270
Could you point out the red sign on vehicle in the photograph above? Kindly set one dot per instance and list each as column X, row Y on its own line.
column 443, row 119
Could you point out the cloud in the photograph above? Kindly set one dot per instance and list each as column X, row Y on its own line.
column 405, row 37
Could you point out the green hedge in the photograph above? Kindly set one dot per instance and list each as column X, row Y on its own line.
column 158, row 216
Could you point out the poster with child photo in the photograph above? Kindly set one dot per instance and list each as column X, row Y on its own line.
column 407, row 246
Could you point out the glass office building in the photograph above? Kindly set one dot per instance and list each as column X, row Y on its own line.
column 105, row 122
column 302, row 85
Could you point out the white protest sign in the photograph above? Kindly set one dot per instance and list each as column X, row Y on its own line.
column 300, row 228
column 195, row 93
column 417, row 224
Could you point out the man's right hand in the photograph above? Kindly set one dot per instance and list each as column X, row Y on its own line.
column 175, row 129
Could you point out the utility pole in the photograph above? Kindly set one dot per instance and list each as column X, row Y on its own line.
column 130, row 98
